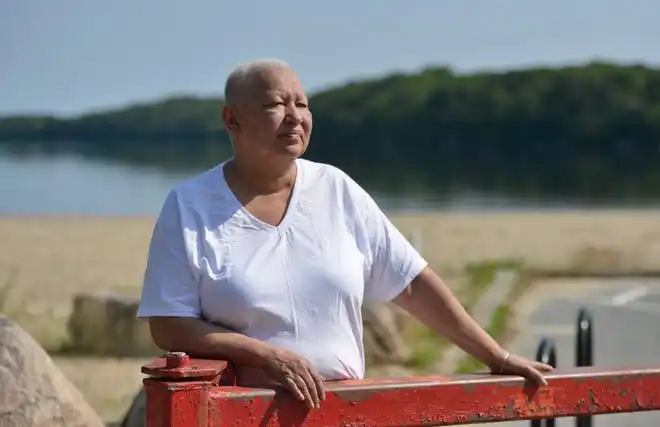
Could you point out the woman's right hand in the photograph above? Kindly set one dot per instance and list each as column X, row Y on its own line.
column 204, row 339
column 295, row 373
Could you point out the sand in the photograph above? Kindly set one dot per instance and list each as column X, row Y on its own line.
column 50, row 259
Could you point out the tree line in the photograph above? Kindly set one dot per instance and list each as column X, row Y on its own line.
column 591, row 131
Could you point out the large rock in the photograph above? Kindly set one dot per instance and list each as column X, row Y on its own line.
column 383, row 340
column 105, row 324
column 33, row 391
column 136, row 414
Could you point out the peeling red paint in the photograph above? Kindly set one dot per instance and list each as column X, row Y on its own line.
column 404, row 402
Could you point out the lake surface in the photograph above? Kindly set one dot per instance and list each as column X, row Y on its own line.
column 56, row 184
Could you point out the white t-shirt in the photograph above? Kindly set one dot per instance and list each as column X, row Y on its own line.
column 299, row 285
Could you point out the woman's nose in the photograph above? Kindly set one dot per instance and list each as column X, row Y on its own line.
column 294, row 115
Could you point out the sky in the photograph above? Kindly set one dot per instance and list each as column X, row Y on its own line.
column 69, row 57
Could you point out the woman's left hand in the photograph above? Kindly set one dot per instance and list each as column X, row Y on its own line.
column 529, row 369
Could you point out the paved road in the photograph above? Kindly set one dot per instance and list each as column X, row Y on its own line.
column 626, row 316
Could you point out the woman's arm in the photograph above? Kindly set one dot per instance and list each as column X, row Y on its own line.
column 431, row 301
column 205, row 340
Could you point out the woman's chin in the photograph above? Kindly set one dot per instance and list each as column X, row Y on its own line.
column 294, row 147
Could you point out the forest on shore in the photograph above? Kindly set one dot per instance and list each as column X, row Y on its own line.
column 589, row 131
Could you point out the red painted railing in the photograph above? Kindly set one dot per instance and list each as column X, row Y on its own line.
column 199, row 393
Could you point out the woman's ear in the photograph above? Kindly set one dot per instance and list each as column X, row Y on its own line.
column 230, row 120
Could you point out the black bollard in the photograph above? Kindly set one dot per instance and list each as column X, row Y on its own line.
column 546, row 353
column 584, row 355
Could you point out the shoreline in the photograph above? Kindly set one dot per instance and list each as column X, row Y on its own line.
column 395, row 212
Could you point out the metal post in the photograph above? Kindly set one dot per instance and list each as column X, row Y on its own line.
column 546, row 353
column 584, row 352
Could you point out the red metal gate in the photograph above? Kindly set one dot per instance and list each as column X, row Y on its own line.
column 199, row 393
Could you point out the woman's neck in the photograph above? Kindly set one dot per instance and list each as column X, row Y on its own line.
column 260, row 178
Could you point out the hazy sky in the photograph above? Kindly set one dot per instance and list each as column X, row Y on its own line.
column 69, row 56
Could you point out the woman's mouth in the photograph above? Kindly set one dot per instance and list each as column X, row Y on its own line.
column 290, row 135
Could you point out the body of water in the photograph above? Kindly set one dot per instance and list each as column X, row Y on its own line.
column 70, row 184
column 64, row 184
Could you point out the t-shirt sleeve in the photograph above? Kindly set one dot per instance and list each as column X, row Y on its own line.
column 391, row 261
column 170, row 286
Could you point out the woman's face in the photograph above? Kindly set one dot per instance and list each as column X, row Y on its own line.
column 274, row 119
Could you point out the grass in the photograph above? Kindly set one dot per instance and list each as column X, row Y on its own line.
column 482, row 274
column 427, row 348
column 498, row 326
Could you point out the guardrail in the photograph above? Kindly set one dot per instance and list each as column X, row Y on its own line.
column 199, row 393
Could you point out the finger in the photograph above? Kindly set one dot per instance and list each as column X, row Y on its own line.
column 543, row 367
column 311, row 386
column 293, row 387
column 536, row 376
column 320, row 385
column 302, row 385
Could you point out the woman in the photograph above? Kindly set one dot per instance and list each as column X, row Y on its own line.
column 265, row 260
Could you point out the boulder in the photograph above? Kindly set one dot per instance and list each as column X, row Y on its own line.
column 105, row 324
column 383, row 340
column 33, row 391
column 135, row 416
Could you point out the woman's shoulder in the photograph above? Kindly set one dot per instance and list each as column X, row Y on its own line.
column 209, row 179
column 324, row 177
column 318, row 172
column 202, row 192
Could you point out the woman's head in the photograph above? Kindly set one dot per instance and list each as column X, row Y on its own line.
column 266, row 111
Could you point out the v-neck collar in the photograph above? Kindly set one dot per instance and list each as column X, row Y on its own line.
column 290, row 211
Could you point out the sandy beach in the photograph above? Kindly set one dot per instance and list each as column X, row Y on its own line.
column 50, row 259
